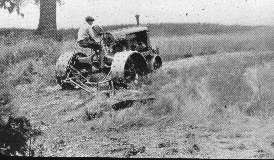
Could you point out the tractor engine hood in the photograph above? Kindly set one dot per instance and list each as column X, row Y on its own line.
column 126, row 33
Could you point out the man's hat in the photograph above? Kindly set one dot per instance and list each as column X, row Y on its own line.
column 89, row 18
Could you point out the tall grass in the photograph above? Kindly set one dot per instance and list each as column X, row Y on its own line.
column 30, row 60
column 218, row 92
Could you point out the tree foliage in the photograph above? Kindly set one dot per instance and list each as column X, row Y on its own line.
column 12, row 5
column 47, row 22
column 15, row 5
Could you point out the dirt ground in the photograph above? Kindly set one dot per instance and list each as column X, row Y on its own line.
column 59, row 115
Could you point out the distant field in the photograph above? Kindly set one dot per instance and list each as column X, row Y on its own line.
column 175, row 41
column 161, row 29
column 18, row 44
column 177, row 47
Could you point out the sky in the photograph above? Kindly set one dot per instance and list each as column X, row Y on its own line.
column 71, row 13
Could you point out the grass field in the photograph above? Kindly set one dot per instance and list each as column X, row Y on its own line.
column 21, row 52
column 22, row 57
column 227, row 92
column 222, row 104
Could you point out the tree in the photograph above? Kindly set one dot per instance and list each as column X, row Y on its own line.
column 47, row 22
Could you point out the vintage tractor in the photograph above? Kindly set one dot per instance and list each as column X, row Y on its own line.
column 127, row 56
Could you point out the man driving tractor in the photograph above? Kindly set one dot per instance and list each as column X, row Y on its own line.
column 118, row 57
column 89, row 36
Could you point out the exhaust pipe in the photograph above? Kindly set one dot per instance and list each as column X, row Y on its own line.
column 137, row 16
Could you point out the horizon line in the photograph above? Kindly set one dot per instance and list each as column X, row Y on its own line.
column 155, row 23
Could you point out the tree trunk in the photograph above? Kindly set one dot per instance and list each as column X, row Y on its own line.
column 47, row 21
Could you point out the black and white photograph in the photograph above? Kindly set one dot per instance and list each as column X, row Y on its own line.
column 137, row 78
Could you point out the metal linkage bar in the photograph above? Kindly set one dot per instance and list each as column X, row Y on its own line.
column 85, row 87
column 82, row 86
